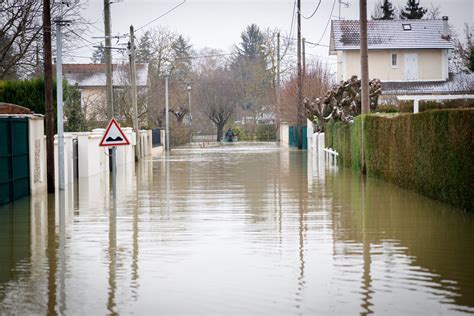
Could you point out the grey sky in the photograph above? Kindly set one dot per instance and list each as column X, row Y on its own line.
column 218, row 23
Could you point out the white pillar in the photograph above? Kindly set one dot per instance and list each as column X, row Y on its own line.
column 416, row 105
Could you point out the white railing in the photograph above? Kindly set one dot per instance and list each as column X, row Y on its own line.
column 331, row 154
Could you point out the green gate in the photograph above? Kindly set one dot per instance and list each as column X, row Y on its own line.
column 293, row 137
column 14, row 159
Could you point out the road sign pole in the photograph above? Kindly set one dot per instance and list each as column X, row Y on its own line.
column 114, row 137
column 114, row 172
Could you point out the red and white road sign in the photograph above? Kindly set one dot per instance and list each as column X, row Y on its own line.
column 114, row 135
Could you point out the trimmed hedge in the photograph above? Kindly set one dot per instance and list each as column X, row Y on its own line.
column 430, row 152
column 28, row 93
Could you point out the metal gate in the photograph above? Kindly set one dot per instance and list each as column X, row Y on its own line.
column 156, row 137
column 14, row 159
column 293, row 137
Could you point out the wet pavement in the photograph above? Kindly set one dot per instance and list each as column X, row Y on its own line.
column 236, row 229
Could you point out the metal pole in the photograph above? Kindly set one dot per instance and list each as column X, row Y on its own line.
column 190, row 115
column 59, row 89
column 364, row 64
column 167, row 115
column 133, row 79
column 114, row 172
column 108, row 60
column 278, row 89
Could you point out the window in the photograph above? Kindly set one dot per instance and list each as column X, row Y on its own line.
column 394, row 60
column 406, row 27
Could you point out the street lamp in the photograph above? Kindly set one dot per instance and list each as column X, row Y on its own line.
column 189, row 88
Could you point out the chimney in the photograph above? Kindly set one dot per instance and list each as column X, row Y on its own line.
column 445, row 34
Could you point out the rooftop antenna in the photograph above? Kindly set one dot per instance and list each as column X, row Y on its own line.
column 346, row 5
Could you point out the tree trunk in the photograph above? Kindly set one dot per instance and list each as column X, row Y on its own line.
column 220, row 130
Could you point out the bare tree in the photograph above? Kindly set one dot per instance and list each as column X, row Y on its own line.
column 20, row 28
column 217, row 97
column 21, row 36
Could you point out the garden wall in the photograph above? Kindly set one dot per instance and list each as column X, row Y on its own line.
column 430, row 152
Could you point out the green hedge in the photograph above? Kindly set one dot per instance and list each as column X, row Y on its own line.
column 431, row 152
column 28, row 93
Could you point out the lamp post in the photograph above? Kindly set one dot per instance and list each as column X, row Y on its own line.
column 189, row 88
column 167, row 147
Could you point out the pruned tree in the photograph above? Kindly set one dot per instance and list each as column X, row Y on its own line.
column 342, row 102
column 412, row 10
column 217, row 97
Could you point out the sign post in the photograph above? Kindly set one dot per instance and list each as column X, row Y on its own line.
column 114, row 137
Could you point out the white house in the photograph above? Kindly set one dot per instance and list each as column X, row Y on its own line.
column 91, row 81
column 410, row 57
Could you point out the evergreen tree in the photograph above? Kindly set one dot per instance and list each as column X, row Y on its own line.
column 387, row 10
column 76, row 120
column 98, row 56
column 144, row 48
column 182, row 53
column 249, row 67
column 413, row 10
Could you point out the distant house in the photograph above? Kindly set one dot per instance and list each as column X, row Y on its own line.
column 410, row 57
column 91, row 81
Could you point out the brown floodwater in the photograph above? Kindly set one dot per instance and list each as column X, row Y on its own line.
column 236, row 229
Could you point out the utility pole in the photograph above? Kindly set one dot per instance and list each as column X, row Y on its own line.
column 304, row 60
column 48, row 94
column 109, row 89
column 299, row 80
column 108, row 60
column 133, row 80
column 167, row 114
column 278, row 89
column 364, row 64
column 59, row 102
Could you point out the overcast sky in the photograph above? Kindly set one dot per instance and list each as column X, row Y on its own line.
column 219, row 23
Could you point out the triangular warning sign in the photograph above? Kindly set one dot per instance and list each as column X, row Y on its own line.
column 114, row 135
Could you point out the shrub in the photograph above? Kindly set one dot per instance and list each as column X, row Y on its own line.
column 266, row 132
column 430, row 152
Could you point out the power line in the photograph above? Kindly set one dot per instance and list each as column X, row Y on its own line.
column 309, row 17
column 291, row 29
column 327, row 24
column 159, row 17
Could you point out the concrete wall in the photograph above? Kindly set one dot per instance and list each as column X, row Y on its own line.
column 431, row 64
column 37, row 155
column 284, row 135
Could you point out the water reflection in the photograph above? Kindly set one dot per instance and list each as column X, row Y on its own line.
column 248, row 229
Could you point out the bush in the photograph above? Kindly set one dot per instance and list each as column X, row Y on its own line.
column 266, row 132
column 179, row 134
column 430, row 152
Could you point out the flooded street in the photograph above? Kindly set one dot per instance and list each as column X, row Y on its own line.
column 242, row 229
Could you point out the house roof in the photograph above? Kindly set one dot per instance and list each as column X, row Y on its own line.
column 462, row 83
column 93, row 75
column 389, row 34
